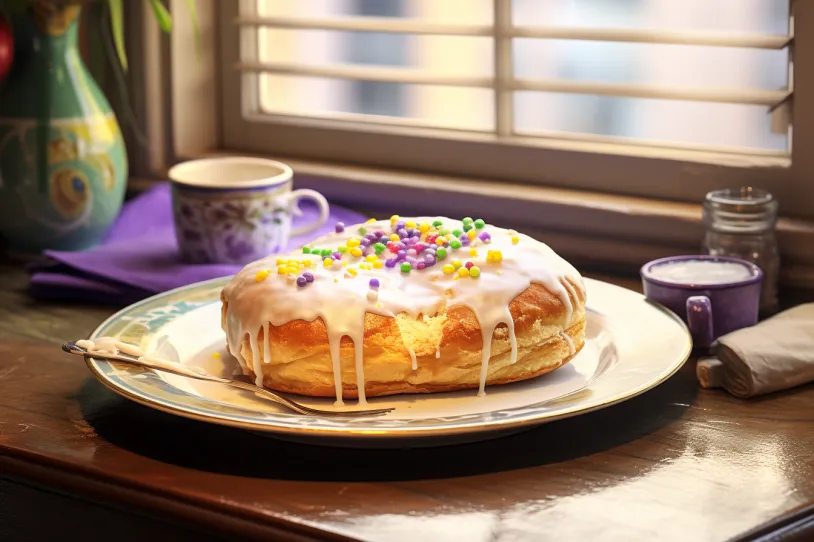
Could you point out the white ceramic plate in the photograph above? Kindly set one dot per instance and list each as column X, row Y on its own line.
column 631, row 346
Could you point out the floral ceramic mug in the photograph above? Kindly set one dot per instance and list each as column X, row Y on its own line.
column 236, row 210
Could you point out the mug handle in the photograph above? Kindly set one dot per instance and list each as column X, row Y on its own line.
column 323, row 210
column 699, row 319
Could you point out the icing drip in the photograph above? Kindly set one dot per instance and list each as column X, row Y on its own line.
column 412, row 358
column 266, row 343
column 340, row 292
column 567, row 338
column 256, row 360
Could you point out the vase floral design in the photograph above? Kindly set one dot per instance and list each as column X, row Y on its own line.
column 63, row 165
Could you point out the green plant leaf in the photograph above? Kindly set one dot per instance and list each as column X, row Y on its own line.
column 193, row 15
column 117, row 26
column 162, row 16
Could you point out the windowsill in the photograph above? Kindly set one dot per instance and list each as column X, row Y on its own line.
column 601, row 231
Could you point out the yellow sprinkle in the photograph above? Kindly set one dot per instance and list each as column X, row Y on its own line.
column 327, row 263
column 473, row 252
column 395, row 237
column 371, row 258
column 474, row 271
column 356, row 252
column 515, row 240
column 215, row 354
column 439, row 241
column 424, row 228
column 336, row 280
column 354, row 242
column 512, row 233
column 365, row 266
column 463, row 272
column 499, row 272
column 351, row 271
column 456, row 277
column 282, row 269
column 410, row 224
column 377, row 264
column 494, row 256
column 456, row 264
column 378, row 304
column 371, row 221
column 279, row 261
column 307, row 263
column 448, row 269
column 344, row 263
column 262, row 275
column 394, row 218
column 471, row 234
column 291, row 270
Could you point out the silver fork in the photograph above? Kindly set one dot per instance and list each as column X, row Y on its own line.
column 200, row 374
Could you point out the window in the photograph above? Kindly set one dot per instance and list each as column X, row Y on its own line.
column 654, row 98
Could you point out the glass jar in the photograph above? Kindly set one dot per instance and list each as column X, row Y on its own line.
column 740, row 223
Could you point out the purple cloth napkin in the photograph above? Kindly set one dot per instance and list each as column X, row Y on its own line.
column 139, row 256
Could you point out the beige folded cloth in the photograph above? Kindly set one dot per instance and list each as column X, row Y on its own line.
column 776, row 354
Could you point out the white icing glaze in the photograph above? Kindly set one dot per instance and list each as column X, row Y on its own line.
column 341, row 300
column 567, row 339
column 412, row 358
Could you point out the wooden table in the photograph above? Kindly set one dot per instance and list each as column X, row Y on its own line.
column 678, row 463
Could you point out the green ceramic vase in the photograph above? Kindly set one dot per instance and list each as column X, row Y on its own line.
column 63, row 164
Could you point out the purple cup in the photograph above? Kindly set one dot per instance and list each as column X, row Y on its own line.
column 710, row 310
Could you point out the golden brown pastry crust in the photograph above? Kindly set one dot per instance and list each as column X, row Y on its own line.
column 447, row 347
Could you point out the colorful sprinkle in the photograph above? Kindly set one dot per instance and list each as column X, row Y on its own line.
column 474, row 272
column 371, row 258
column 391, row 263
column 473, row 252
column 409, row 224
column 469, row 265
column 472, row 234
column 448, row 269
column 340, row 227
column 362, row 231
column 485, row 237
column 515, row 240
column 309, row 277
column 306, row 250
column 441, row 253
column 467, row 220
column 455, row 243
column 282, row 269
column 437, row 223
column 377, row 264
column 354, row 242
column 301, row 282
column 371, row 221
column 457, row 233
column 463, row 272
column 261, row 275
column 374, row 283
column 328, row 263
column 456, row 264
column 379, row 248
column 406, row 267
column 479, row 223
column 356, row 252
column 394, row 218
column 342, row 250
column 351, row 271
column 468, row 227
column 440, row 241
column 494, row 256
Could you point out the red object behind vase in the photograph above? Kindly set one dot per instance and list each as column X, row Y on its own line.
column 6, row 47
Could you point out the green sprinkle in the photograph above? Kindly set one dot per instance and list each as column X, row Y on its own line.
column 437, row 223
column 479, row 223
column 443, row 231
column 379, row 248
column 441, row 253
column 325, row 252
column 474, row 272
column 454, row 244
column 342, row 250
column 468, row 226
column 306, row 250
column 362, row 231
column 406, row 267
column 456, row 233
column 466, row 221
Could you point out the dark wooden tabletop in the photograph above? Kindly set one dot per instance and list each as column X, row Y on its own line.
column 677, row 463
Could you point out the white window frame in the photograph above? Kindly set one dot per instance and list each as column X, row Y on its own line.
column 602, row 200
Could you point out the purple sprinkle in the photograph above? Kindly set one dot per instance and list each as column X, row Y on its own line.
column 380, row 233
column 372, row 237
column 401, row 232
column 410, row 231
column 412, row 252
column 364, row 242
column 400, row 225
column 416, row 234
column 374, row 283
column 485, row 236
column 337, row 255
column 409, row 241
column 340, row 227
column 391, row 262
column 401, row 246
column 301, row 282
column 401, row 254
column 429, row 260
column 412, row 261
column 421, row 265
column 309, row 277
